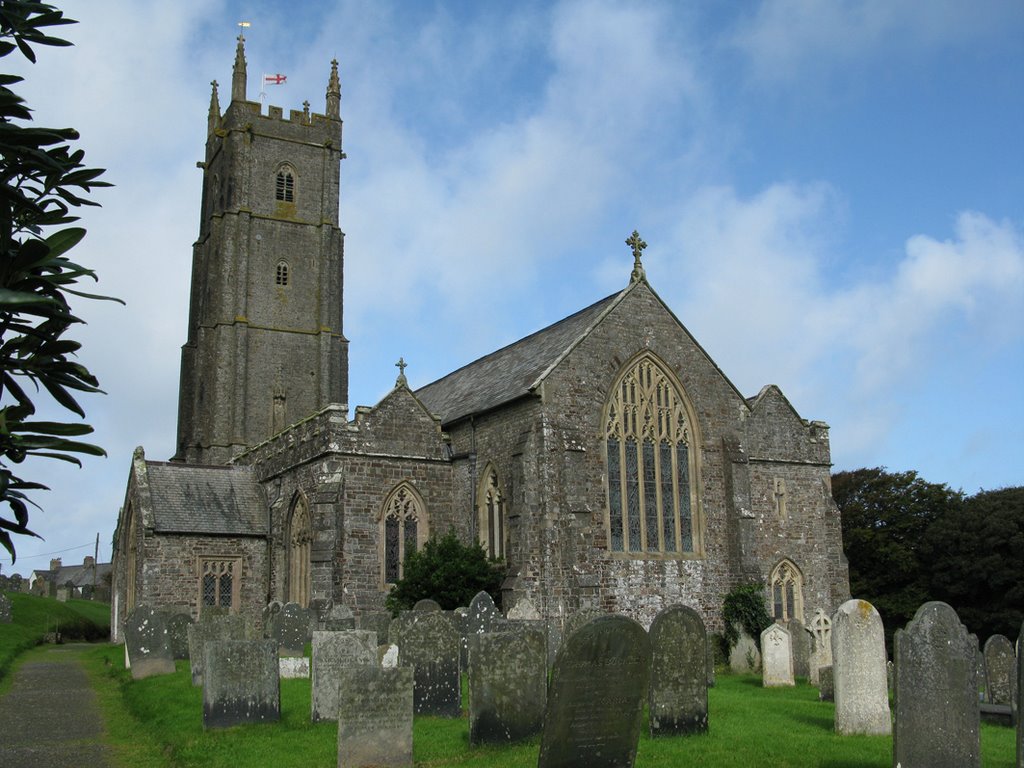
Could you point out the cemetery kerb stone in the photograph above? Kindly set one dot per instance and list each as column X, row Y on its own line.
column 177, row 633
column 858, row 670
column 375, row 717
column 938, row 723
column 429, row 643
column 744, row 656
column 1000, row 667
column 294, row 629
column 800, row 645
column 240, row 683
column 231, row 627
column 508, row 676
column 821, row 647
column 776, row 657
column 596, row 696
column 678, row 691
column 147, row 644
column 333, row 652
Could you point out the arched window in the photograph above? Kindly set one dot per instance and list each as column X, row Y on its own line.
column 284, row 189
column 281, row 274
column 787, row 592
column 403, row 529
column 490, row 502
column 300, row 538
column 651, row 499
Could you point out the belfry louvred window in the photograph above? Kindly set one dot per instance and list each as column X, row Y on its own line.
column 647, row 434
column 285, row 188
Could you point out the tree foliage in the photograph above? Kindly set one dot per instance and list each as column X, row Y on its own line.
column 745, row 607
column 42, row 178
column 448, row 571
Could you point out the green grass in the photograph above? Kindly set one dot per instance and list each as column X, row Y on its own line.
column 33, row 616
column 750, row 725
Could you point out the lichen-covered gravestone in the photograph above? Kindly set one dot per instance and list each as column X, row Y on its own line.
column 508, row 675
column 339, row 618
column 1000, row 668
column 800, row 645
column 858, row 670
column 576, row 620
column 208, row 630
column 821, row 648
column 240, row 683
column 375, row 715
column 426, row 605
column 596, row 696
column 294, row 629
column 776, row 657
column 678, row 699
column 333, row 652
column 938, row 722
column 147, row 644
column 375, row 621
column 429, row 643
column 744, row 656
column 481, row 616
column 177, row 633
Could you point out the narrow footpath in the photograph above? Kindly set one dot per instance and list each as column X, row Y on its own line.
column 50, row 718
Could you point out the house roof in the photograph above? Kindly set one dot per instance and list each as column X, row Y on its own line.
column 201, row 499
column 510, row 372
column 78, row 575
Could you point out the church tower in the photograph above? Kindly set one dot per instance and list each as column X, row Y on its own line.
column 265, row 345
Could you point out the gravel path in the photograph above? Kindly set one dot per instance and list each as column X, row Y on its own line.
column 49, row 718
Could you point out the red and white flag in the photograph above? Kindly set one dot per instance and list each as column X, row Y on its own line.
column 277, row 79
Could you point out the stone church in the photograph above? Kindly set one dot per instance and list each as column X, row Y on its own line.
column 606, row 459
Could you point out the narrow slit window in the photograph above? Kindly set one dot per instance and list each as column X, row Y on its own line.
column 282, row 274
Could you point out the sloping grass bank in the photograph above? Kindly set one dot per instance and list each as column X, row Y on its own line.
column 750, row 726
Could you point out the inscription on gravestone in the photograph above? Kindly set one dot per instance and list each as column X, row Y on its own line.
column 776, row 657
column 678, row 700
column 507, row 685
column 596, row 696
column 240, row 683
column 332, row 653
column 375, row 716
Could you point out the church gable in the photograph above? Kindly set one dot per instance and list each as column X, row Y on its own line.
column 399, row 425
column 775, row 430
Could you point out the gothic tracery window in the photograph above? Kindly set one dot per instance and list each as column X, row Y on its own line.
column 281, row 273
column 404, row 528
column 491, row 514
column 219, row 583
column 650, row 464
column 300, row 538
column 787, row 592
column 284, row 188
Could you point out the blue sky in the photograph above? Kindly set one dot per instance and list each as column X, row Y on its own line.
column 832, row 194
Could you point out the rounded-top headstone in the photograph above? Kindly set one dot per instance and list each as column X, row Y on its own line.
column 426, row 605
column 1000, row 668
column 576, row 620
column 678, row 700
column 858, row 670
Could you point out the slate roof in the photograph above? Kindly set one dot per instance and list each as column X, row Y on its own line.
column 510, row 372
column 79, row 575
column 200, row 499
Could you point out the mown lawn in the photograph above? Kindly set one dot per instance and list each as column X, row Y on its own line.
column 157, row 723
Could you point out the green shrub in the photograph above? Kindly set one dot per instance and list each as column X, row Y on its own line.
column 448, row 571
column 745, row 607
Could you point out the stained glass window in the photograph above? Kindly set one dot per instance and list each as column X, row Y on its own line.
column 217, row 584
column 403, row 529
column 787, row 590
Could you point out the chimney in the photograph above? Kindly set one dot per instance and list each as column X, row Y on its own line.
column 55, row 564
column 89, row 561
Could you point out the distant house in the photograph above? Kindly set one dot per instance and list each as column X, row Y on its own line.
column 90, row 580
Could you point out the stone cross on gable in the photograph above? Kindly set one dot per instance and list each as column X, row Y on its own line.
column 637, row 244
column 401, row 365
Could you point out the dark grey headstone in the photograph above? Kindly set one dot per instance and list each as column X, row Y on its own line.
column 270, row 618
column 241, row 683
column 576, row 620
column 430, row 644
column 208, row 630
column 375, row 621
column 936, row 692
column 826, row 690
column 177, row 634
column 147, row 644
column 5, row 609
column 294, row 629
column 426, row 605
column 596, row 696
column 1000, row 669
column 508, row 675
column 800, row 643
column 333, row 652
column 375, row 717
column 678, row 700
column 482, row 616
column 339, row 618
column 319, row 609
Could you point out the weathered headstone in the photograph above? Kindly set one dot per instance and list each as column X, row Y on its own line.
column 177, row 634
column 375, row 715
column 1000, row 669
column 800, row 644
column 576, row 620
column 821, row 648
column 294, row 629
column 858, row 670
column 426, row 605
column 460, row 620
column 430, row 644
column 524, row 610
column 776, row 657
column 678, row 697
column 338, row 619
column 319, row 609
column 147, row 644
column 270, row 617
column 240, row 683
column 1018, row 699
column 826, row 691
column 333, row 652
column 508, row 676
column 293, row 667
column 481, row 616
column 375, row 621
column 744, row 656
column 5, row 609
column 936, row 693
column 596, row 696
column 388, row 655
column 231, row 627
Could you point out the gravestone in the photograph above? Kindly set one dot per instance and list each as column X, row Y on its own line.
column 319, row 609
column 426, row 605
column 826, row 691
column 1000, row 669
column 388, row 655
column 800, row 644
column 508, row 676
column 293, row 629
column 338, row 619
column 711, row 662
column 146, row 643
column 375, row 716
column 858, row 670
column 208, row 630
column 375, row 621
column 5, row 609
column 269, row 618
column 744, row 656
column 460, row 619
column 1018, row 699
column 293, row 667
column 240, row 683
column 481, row 616
column 576, row 620
column 678, row 691
column 524, row 610
column 821, row 646
column 596, row 696
column 430, row 644
column 776, row 657
column 177, row 633
column 982, row 677
column 936, row 693
column 333, row 652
